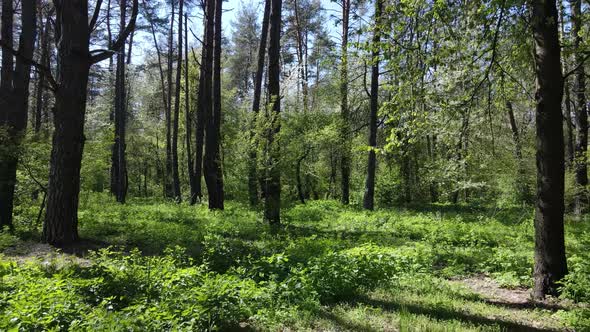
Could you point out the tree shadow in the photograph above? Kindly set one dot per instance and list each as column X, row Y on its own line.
column 448, row 314
column 345, row 323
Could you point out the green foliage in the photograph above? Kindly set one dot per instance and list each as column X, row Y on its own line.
column 202, row 270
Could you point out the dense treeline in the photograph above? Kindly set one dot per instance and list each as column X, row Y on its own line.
column 399, row 102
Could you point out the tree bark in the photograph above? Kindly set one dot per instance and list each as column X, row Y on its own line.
column 550, row 261
column 175, row 121
column 272, row 183
column 581, row 147
column 213, row 162
column 188, row 118
column 344, row 111
column 14, row 99
column 204, row 100
column 169, row 188
column 252, row 157
column 119, row 164
column 74, row 61
column 369, row 198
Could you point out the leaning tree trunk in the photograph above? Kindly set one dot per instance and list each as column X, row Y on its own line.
column 204, row 100
column 581, row 147
column 344, row 111
column 175, row 121
column 213, row 164
column 550, row 261
column 14, row 99
column 252, row 157
column 369, row 198
column 272, row 180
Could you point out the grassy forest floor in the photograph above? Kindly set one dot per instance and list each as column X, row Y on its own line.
column 152, row 266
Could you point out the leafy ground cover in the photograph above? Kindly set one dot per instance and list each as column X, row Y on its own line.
column 153, row 266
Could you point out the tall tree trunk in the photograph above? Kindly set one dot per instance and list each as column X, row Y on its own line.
column 569, row 128
column 252, row 157
column 581, row 147
column 204, row 100
column 550, row 261
column 344, row 111
column 213, row 162
column 272, row 183
column 169, row 190
column 74, row 61
column 119, row 164
column 40, row 98
column 369, row 198
column 61, row 219
column 14, row 99
column 188, row 120
column 175, row 121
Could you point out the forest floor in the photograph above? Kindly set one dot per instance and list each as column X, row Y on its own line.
column 330, row 268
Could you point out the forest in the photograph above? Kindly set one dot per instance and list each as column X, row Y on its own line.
column 294, row 165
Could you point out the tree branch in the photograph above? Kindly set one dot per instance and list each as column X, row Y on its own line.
column 33, row 63
column 95, row 15
column 116, row 46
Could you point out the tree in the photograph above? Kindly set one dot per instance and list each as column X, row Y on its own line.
column 550, row 261
column 14, row 98
column 252, row 156
column 204, row 100
column 212, row 159
column 188, row 123
column 272, row 180
column 175, row 123
column 581, row 113
column 369, row 198
column 74, row 60
column 344, row 111
column 119, row 163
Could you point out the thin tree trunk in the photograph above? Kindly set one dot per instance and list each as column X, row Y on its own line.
column 550, row 261
column 344, row 111
column 169, row 190
column 119, row 167
column 175, row 123
column 40, row 101
column 272, row 183
column 521, row 186
column 204, row 100
column 581, row 147
column 213, row 162
column 252, row 157
column 369, row 197
column 14, row 99
column 188, row 121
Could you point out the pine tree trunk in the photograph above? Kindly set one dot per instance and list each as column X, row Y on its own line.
column 550, row 261
column 119, row 187
column 188, row 118
column 14, row 100
column 204, row 98
column 61, row 219
column 213, row 162
column 344, row 111
column 581, row 147
column 369, row 198
column 272, row 183
column 252, row 157
column 175, row 123
column 169, row 187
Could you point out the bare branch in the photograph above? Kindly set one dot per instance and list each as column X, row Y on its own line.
column 116, row 46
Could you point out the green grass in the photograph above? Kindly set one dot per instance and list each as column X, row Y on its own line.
column 334, row 268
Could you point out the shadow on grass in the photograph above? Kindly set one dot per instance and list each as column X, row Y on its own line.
column 447, row 314
column 345, row 323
